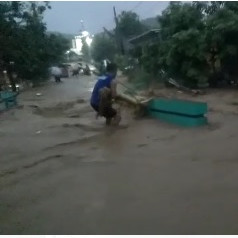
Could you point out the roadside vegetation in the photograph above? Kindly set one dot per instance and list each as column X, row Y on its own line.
column 25, row 45
column 197, row 45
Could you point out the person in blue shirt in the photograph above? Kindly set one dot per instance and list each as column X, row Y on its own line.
column 103, row 94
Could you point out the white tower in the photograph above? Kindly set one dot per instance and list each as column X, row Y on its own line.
column 77, row 41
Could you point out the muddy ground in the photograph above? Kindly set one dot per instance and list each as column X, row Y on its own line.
column 63, row 172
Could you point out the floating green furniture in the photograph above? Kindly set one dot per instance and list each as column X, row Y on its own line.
column 180, row 112
column 7, row 100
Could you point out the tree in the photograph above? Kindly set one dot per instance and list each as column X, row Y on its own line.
column 222, row 38
column 197, row 45
column 150, row 23
column 24, row 40
column 129, row 24
column 181, row 52
column 111, row 45
column 103, row 47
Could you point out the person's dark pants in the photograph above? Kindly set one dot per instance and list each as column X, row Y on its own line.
column 108, row 112
column 57, row 79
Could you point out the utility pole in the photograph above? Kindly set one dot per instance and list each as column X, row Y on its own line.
column 115, row 16
column 118, row 33
column 108, row 33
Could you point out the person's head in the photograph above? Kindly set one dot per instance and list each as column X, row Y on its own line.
column 112, row 69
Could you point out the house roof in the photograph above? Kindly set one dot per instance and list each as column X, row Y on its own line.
column 148, row 35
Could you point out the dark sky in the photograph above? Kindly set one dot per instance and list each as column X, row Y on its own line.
column 65, row 16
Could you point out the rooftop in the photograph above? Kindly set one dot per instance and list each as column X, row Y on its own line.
column 148, row 35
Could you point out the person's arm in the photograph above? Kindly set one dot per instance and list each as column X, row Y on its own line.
column 114, row 88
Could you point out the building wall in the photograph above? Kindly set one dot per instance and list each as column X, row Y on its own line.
column 73, row 44
column 77, row 42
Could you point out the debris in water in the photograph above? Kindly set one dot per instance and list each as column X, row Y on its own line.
column 20, row 106
column 74, row 116
column 38, row 94
column 80, row 100
column 38, row 132
column 141, row 145
column 33, row 106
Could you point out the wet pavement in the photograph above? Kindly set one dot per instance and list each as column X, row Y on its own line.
column 63, row 172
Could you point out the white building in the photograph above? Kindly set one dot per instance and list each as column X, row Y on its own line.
column 77, row 42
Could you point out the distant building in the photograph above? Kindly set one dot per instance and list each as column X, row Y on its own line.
column 77, row 42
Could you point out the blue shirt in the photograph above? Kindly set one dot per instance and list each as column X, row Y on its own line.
column 103, row 81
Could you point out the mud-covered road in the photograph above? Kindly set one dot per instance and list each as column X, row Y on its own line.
column 63, row 172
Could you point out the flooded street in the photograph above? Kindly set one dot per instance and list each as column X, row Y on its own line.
column 63, row 172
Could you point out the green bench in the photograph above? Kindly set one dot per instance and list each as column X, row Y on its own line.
column 8, row 100
column 180, row 112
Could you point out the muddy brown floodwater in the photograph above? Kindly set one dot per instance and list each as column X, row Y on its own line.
column 63, row 172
